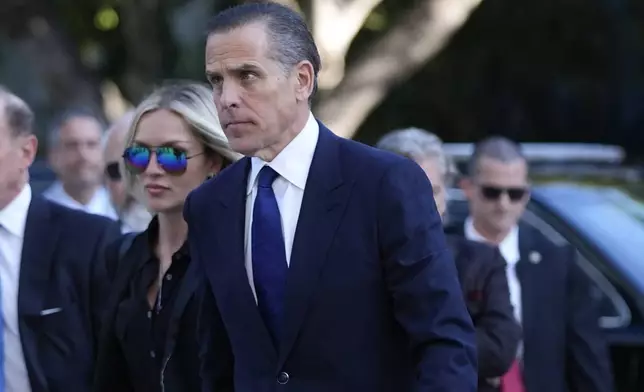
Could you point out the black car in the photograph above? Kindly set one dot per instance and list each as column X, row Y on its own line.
column 606, row 225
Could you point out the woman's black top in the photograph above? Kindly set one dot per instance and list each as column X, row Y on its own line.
column 139, row 335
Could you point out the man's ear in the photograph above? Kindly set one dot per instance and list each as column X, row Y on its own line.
column 29, row 149
column 305, row 80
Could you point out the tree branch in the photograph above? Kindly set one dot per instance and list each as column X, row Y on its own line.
column 334, row 26
column 393, row 58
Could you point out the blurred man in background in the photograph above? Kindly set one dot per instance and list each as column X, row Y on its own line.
column 50, row 282
column 76, row 156
column 133, row 216
column 563, row 348
column 481, row 268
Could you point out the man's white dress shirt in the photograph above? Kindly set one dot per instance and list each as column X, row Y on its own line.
column 100, row 204
column 292, row 164
column 510, row 251
column 13, row 219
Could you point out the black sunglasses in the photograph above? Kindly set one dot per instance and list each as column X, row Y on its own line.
column 493, row 193
column 112, row 171
column 172, row 160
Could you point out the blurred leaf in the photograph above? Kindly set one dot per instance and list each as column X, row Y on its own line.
column 106, row 19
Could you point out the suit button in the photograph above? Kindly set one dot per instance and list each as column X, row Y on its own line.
column 282, row 378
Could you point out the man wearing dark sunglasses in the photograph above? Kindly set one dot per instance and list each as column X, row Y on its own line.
column 132, row 215
column 563, row 349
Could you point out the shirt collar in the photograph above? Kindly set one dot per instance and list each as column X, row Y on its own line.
column 294, row 161
column 509, row 247
column 14, row 216
column 58, row 193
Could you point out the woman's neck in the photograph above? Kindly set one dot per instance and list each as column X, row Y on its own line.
column 173, row 231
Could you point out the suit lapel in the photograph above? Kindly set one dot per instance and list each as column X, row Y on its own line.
column 41, row 235
column 528, row 271
column 322, row 208
column 237, row 296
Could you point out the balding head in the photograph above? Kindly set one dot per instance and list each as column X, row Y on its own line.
column 17, row 115
column 18, row 145
column 497, row 148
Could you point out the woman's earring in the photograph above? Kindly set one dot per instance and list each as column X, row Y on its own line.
column 209, row 176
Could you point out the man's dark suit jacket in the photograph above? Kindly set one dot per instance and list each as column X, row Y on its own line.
column 373, row 301
column 564, row 348
column 62, row 249
column 481, row 271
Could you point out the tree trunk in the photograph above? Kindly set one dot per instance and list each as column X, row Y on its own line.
column 392, row 59
column 334, row 25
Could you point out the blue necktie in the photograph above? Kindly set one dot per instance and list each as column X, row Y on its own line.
column 269, row 254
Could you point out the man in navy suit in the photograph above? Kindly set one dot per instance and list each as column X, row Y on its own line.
column 563, row 347
column 326, row 260
column 51, row 301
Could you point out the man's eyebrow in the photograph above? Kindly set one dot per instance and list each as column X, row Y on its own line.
column 245, row 67
column 235, row 68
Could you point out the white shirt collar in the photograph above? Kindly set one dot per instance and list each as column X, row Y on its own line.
column 14, row 216
column 99, row 203
column 294, row 161
column 509, row 247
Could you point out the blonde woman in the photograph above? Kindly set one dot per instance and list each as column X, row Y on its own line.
column 147, row 343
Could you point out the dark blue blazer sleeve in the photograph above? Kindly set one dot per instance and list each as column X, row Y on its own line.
column 588, row 363
column 422, row 278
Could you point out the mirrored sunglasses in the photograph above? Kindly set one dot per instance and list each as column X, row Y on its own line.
column 172, row 160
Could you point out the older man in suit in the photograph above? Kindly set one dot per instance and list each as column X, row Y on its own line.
column 326, row 258
column 51, row 302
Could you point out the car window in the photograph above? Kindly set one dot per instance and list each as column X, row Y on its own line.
column 614, row 311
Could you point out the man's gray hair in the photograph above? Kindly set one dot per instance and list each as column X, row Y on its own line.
column 19, row 116
column 419, row 144
column 498, row 148
column 53, row 136
column 290, row 38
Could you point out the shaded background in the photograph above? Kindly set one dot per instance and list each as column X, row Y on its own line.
column 564, row 70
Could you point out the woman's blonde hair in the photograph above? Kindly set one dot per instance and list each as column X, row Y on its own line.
column 193, row 102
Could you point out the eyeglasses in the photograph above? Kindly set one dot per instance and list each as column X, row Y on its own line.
column 493, row 193
column 172, row 160
column 112, row 171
